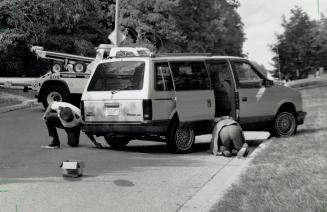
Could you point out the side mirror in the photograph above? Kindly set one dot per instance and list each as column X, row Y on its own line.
column 268, row 83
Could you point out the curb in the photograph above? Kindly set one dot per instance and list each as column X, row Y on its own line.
column 213, row 191
column 25, row 104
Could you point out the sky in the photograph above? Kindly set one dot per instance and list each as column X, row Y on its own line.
column 262, row 20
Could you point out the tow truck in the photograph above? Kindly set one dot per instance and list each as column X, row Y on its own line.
column 69, row 73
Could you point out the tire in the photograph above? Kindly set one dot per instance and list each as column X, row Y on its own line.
column 79, row 67
column 57, row 67
column 284, row 124
column 54, row 93
column 117, row 142
column 180, row 140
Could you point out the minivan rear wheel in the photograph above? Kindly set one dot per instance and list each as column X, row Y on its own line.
column 117, row 142
column 180, row 139
column 284, row 124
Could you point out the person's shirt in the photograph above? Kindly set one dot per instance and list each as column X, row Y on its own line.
column 76, row 113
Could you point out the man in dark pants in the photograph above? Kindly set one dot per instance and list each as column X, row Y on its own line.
column 67, row 117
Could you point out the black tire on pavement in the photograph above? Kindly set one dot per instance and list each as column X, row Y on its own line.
column 284, row 124
column 57, row 67
column 54, row 93
column 180, row 140
column 117, row 142
column 79, row 67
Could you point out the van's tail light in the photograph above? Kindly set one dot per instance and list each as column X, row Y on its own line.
column 82, row 110
column 147, row 109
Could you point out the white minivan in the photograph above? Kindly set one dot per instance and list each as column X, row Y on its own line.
column 173, row 98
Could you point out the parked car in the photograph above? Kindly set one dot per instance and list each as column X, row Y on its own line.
column 172, row 99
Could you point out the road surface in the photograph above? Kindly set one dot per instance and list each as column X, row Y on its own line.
column 142, row 177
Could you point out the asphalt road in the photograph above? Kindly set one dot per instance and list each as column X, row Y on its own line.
column 142, row 177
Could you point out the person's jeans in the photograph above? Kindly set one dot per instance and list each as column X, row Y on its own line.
column 231, row 137
column 53, row 122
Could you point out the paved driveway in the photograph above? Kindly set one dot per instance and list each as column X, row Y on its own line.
column 142, row 177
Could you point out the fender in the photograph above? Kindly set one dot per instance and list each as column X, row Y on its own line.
column 284, row 102
column 50, row 82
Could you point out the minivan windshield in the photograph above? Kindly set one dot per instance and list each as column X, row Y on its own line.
column 116, row 76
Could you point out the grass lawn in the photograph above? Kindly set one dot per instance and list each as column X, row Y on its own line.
column 291, row 173
column 12, row 96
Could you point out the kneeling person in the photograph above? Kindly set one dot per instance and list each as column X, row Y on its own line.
column 67, row 117
column 228, row 136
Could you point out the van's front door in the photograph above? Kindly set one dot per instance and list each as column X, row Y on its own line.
column 256, row 100
column 194, row 98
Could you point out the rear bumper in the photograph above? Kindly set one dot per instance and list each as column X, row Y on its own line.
column 126, row 128
column 300, row 116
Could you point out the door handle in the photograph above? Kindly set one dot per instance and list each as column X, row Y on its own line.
column 244, row 99
column 209, row 102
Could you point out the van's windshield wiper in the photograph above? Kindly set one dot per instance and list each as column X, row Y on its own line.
column 122, row 88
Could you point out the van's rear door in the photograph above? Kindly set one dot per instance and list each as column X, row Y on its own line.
column 115, row 92
column 194, row 98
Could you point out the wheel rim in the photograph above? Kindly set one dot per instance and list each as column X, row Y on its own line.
column 54, row 96
column 56, row 68
column 79, row 67
column 184, row 138
column 285, row 124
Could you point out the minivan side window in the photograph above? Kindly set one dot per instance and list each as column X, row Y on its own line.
column 163, row 79
column 190, row 75
column 245, row 73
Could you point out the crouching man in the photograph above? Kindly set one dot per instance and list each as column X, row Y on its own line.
column 67, row 117
column 227, row 138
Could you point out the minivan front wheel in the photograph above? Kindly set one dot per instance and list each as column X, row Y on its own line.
column 117, row 142
column 284, row 124
column 180, row 139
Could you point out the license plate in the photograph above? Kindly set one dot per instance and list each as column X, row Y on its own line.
column 112, row 111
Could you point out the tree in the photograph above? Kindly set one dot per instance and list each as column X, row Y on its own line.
column 78, row 26
column 60, row 25
column 319, row 41
column 296, row 54
column 185, row 25
column 210, row 26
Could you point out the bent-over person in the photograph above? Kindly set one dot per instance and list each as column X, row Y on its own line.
column 226, row 137
column 67, row 117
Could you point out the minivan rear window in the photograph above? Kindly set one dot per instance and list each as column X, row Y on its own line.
column 122, row 75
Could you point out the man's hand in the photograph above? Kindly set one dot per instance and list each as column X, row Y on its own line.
column 98, row 145
column 48, row 110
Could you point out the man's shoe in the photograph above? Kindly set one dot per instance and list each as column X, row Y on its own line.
column 227, row 153
column 52, row 145
column 242, row 152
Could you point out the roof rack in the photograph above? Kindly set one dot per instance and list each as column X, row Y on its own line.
column 181, row 54
column 163, row 55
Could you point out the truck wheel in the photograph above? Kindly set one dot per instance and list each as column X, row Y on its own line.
column 117, row 142
column 180, row 140
column 79, row 67
column 284, row 124
column 57, row 67
column 54, row 93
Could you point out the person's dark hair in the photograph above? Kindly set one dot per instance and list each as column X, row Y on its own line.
column 66, row 114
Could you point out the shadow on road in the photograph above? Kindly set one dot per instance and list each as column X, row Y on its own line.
column 311, row 130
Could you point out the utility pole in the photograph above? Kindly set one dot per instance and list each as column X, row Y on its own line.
column 117, row 24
